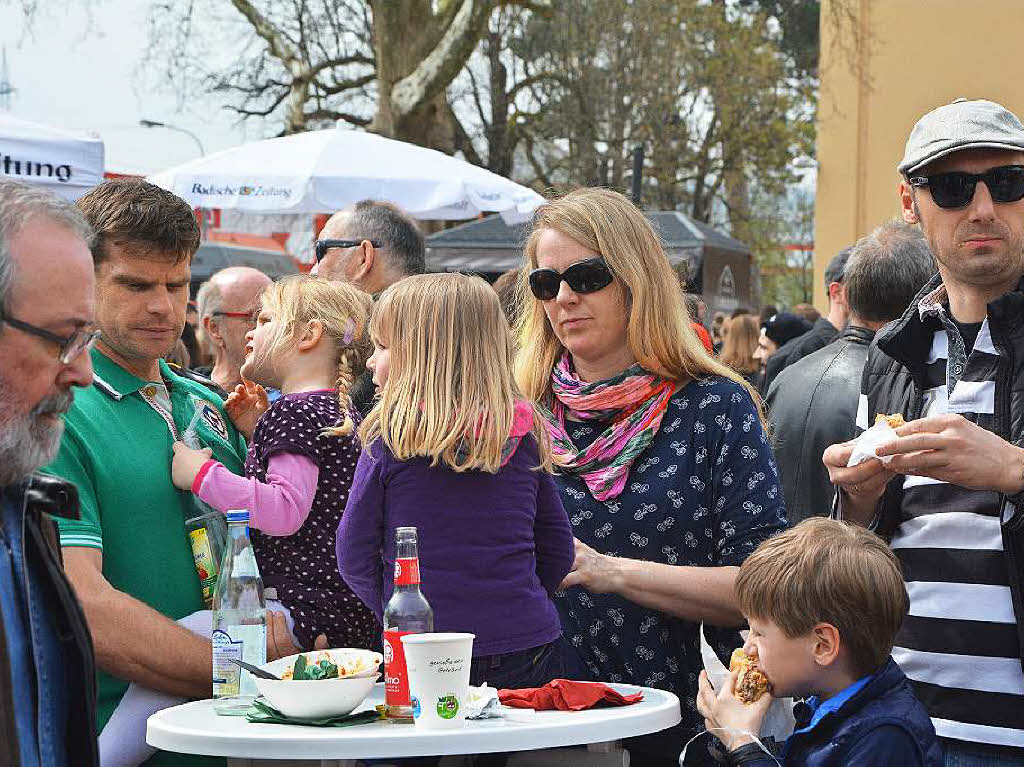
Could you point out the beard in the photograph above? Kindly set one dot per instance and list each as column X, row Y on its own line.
column 29, row 441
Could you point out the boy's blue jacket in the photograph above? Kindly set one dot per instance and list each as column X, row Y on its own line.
column 882, row 724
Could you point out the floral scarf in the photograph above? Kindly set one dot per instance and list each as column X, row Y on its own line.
column 634, row 400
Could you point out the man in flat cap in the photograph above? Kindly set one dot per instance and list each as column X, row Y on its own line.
column 951, row 501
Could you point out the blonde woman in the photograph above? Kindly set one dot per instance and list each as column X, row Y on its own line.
column 301, row 455
column 454, row 450
column 741, row 334
column 663, row 464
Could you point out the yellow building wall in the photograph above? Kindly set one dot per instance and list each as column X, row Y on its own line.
column 914, row 55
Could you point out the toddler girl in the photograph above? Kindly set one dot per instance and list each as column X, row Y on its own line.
column 453, row 450
column 302, row 454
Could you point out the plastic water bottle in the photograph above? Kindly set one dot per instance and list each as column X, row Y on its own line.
column 407, row 612
column 239, row 620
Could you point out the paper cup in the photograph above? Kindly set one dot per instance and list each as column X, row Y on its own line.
column 438, row 667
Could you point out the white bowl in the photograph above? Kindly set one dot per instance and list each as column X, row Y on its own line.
column 319, row 698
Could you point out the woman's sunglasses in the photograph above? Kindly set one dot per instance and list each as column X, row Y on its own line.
column 583, row 277
column 956, row 189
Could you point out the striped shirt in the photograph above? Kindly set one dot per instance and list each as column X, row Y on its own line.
column 959, row 644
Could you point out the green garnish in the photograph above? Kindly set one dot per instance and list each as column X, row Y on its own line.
column 302, row 671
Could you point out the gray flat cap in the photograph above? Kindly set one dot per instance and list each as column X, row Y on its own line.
column 963, row 124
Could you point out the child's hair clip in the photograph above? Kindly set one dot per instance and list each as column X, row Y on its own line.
column 350, row 331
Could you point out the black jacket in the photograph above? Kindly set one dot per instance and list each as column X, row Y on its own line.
column 811, row 405
column 40, row 497
column 818, row 337
column 894, row 382
column 882, row 725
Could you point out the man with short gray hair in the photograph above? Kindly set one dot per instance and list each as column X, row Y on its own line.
column 813, row 402
column 227, row 304
column 373, row 245
column 47, row 693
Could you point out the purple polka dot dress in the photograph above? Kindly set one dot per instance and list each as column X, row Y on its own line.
column 302, row 567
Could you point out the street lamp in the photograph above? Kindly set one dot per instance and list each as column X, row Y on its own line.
column 155, row 124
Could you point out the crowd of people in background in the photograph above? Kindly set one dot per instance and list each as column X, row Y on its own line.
column 648, row 470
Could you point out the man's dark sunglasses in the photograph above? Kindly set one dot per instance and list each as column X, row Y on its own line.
column 956, row 189
column 322, row 246
column 70, row 346
column 583, row 277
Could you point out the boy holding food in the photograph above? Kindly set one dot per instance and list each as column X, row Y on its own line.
column 824, row 601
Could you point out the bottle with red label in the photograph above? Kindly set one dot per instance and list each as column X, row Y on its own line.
column 407, row 612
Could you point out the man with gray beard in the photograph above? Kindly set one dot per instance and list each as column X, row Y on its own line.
column 47, row 693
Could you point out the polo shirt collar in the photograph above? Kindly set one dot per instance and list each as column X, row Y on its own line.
column 114, row 379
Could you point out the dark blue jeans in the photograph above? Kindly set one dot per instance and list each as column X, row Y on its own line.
column 524, row 668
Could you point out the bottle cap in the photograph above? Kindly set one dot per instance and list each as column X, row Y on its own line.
column 238, row 515
column 405, row 532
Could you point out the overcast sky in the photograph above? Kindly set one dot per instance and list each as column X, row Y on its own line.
column 76, row 73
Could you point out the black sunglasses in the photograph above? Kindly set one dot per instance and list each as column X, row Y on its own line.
column 322, row 246
column 70, row 346
column 956, row 189
column 587, row 276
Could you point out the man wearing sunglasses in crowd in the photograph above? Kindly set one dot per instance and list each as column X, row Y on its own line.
column 47, row 696
column 951, row 501
column 228, row 303
column 372, row 245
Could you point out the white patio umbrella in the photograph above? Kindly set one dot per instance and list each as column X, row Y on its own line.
column 69, row 163
column 327, row 170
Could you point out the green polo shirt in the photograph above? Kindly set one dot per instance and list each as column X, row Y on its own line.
column 117, row 450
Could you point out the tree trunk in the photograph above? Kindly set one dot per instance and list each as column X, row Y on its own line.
column 419, row 51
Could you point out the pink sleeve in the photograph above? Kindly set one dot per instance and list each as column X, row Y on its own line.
column 278, row 506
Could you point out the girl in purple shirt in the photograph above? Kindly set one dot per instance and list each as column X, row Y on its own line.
column 302, row 454
column 453, row 450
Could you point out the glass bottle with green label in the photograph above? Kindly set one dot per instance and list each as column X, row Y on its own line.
column 239, row 620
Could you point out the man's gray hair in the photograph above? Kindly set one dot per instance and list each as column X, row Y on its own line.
column 209, row 299
column 398, row 234
column 19, row 204
column 886, row 269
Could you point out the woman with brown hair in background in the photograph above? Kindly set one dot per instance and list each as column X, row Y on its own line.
column 740, row 335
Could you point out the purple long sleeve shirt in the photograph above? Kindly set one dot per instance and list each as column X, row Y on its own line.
column 492, row 547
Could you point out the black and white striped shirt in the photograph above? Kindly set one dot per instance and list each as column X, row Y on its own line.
column 959, row 644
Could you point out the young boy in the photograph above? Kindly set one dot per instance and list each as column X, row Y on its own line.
column 824, row 601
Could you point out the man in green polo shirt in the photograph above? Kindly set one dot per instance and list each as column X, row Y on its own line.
column 128, row 557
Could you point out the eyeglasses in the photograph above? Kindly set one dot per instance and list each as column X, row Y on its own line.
column 956, row 189
column 70, row 346
column 587, row 276
column 322, row 246
column 250, row 316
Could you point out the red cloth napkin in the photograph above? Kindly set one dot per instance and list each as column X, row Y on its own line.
column 566, row 695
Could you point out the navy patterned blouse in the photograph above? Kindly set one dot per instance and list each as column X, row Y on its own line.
column 705, row 492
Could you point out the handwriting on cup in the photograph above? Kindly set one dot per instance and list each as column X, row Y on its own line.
column 446, row 665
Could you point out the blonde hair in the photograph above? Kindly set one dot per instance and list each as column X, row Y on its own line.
column 825, row 571
column 741, row 334
column 450, row 394
column 659, row 333
column 341, row 309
